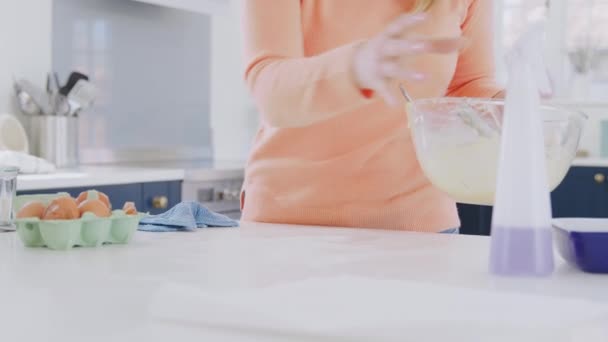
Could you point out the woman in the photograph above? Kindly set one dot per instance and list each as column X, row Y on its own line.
column 334, row 147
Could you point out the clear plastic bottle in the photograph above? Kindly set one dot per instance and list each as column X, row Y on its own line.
column 522, row 243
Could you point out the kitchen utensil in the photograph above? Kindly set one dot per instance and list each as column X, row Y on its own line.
column 31, row 99
column 72, row 80
column 38, row 95
column 463, row 163
column 57, row 82
column 12, row 134
column 55, row 138
column 81, row 96
column 8, row 188
column 52, row 86
column 61, row 105
column 406, row 95
column 471, row 117
column 25, row 102
column 48, row 84
column 468, row 115
column 583, row 242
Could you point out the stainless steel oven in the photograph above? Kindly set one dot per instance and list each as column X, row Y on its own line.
column 220, row 193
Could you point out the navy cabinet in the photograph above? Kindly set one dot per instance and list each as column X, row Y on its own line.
column 583, row 193
column 474, row 219
column 160, row 196
column 154, row 198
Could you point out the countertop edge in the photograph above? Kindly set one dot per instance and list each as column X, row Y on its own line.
column 92, row 177
column 590, row 162
column 118, row 175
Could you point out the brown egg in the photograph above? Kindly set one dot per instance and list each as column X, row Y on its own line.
column 96, row 207
column 129, row 208
column 102, row 197
column 62, row 208
column 31, row 209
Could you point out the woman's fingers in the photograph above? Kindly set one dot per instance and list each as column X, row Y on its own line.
column 404, row 23
column 378, row 62
column 400, row 47
column 384, row 90
column 392, row 70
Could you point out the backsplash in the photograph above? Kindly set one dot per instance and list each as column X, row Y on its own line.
column 152, row 67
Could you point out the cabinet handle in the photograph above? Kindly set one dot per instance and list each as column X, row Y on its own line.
column 600, row 178
column 160, row 202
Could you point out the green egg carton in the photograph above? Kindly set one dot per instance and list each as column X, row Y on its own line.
column 87, row 231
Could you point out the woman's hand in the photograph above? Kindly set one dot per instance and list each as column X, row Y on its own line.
column 381, row 61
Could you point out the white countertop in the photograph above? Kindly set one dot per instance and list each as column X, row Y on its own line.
column 591, row 162
column 285, row 283
column 97, row 176
column 90, row 176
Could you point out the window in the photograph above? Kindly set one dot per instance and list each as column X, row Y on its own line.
column 515, row 17
column 577, row 46
column 587, row 24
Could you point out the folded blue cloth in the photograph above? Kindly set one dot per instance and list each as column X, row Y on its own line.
column 186, row 216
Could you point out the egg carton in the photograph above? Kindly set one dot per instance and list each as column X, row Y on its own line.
column 87, row 231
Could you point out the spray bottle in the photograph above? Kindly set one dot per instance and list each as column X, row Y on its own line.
column 522, row 242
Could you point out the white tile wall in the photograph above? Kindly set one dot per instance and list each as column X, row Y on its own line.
column 152, row 67
column 132, row 31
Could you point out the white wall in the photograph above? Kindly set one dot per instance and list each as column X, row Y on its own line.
column 234, row 119
column 25, row 45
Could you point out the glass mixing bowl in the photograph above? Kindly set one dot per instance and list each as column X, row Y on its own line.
column 457, row 143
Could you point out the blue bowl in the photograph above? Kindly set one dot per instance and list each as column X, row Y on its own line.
column 583, row 243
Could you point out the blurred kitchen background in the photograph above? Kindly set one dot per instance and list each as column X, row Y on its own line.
column 167, row 73
column 169, row 66
column 170, row 95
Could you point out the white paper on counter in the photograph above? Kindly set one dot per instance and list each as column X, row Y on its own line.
column 362, row 309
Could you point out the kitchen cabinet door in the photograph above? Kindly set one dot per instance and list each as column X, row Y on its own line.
column 474, row 219
column 119, row 194
column 160, row 196
column 583, row 193
column 154, row 198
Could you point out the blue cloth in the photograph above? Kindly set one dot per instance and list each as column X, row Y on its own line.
column 451, row 231
column 186, row 216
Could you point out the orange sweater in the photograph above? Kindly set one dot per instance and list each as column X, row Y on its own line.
column 325, row 154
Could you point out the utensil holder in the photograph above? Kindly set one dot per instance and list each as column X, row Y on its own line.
column 55, row 138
